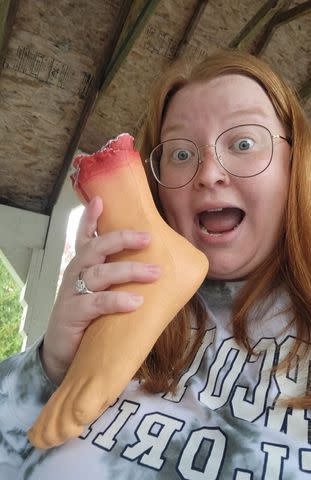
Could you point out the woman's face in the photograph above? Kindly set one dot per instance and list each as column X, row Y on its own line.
column 235, row 221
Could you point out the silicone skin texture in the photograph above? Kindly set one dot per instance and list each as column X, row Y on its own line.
column 114, row 346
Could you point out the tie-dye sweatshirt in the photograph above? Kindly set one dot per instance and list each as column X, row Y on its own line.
column 225, row 422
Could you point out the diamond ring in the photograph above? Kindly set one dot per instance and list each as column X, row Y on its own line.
column 80, row 286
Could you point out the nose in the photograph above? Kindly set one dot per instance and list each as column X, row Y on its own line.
column 210, row 172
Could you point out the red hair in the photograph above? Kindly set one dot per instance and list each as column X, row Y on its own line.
column 288, row 265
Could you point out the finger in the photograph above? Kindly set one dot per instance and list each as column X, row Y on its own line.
column 88, row 223
column 90, row 306
column 102, row 276
column 96, row 250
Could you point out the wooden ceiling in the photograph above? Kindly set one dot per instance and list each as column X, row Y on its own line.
column 75, row 73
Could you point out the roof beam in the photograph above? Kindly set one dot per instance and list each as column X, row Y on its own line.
column 136, row 20
column 305, row 91
column 277, row 20
column 8, row 9
column 133, row 16
column 257, row 33
column 257, row 27
column 190, row 29
column 293, row 13
column 87, row 109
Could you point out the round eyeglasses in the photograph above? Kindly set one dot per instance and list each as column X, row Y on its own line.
column 243, row 151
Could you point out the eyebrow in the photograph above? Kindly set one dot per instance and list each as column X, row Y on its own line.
column 173, row 128
column 249, row 111
column 258, row 110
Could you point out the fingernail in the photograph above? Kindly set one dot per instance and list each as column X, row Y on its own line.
column 144, row 236
column 136, row 300
column 153, row 269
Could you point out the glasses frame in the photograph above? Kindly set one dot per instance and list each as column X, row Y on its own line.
column 200, row 160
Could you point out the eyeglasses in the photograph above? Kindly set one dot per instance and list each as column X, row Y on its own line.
column 243, row 151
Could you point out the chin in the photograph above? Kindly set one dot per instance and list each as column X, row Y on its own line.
column 227, row 278
column 227, row 272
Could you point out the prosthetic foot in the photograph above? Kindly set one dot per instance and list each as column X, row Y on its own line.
column 114, row 346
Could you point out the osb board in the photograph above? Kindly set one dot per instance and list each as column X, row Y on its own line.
column 52, row 57
column 122, row 105
column 218, row 26
column 290, row 50
column 56, row 48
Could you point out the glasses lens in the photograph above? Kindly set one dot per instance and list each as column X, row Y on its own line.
column 174, row 163
column 245, row 150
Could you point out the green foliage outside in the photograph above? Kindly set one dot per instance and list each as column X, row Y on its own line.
column 10, row 314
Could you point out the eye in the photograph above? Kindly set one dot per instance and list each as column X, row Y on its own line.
column 243, row 144
column 181, row 155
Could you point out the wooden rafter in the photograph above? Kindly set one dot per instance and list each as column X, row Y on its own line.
column 257, row 26
column 88, row 106
column 8, row 9
column 293, row 13
column 191, row 26
column 276, row 21
column 305, row 91
column 137, row 17
column 132, row 19
column 190, row 29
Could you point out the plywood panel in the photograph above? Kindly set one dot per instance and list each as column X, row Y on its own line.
column 121, row 106
column 57, row 48
column 51, row 61
column 290, row 50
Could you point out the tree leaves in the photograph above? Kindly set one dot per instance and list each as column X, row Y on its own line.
column 10, row 315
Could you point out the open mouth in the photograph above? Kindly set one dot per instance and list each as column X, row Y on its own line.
column 218, row 221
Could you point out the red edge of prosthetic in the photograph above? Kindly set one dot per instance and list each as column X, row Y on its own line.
column 116, row 153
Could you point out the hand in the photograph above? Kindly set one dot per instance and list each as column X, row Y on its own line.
column 72, row 313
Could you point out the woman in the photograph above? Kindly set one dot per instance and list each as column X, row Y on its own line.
column 229, row 169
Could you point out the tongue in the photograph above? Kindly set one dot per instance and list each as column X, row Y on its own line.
column 222, row 221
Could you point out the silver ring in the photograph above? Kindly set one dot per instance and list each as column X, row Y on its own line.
column 80, row 286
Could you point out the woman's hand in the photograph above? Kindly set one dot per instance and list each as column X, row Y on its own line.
column 72, row 313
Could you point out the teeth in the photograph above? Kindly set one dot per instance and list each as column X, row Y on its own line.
column 204, row 230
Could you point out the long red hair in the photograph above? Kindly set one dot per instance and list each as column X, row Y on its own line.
column 290, row 262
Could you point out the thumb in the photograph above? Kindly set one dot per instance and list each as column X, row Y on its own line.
column 88, row 223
